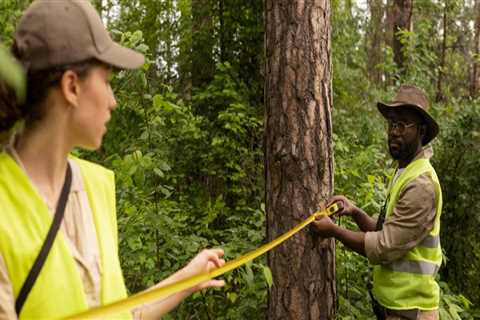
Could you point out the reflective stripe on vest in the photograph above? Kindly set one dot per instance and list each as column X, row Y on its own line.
column 409, row 283
column 24, row 222
column 419, row 267
column 430, row 242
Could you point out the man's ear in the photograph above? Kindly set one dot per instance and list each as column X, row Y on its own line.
column 70, row 87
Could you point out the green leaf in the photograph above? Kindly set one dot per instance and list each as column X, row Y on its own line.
column 232, row 296
column 158, row 172
column 267, row 274
column 12, row 73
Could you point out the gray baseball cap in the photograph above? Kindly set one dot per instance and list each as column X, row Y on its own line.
column 60, row 32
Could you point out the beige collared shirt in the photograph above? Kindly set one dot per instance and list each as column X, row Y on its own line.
column 411, row 221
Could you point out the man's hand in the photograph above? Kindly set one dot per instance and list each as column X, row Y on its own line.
column 324, row 227
column 349, row 209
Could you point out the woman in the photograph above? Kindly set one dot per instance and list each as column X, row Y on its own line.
column 68, row 56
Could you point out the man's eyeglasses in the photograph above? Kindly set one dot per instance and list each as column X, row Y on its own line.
column 399, row 125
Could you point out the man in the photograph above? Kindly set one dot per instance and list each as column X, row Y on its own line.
column 403, row 243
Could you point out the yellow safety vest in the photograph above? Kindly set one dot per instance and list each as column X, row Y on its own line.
column 24, row 223
column 409, row 282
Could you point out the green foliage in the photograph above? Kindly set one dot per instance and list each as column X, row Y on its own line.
column 455, row 306
column 362, row 178
column 189, row 160
column 186, row 181
column 190, row 174
column 10, row 12
column 457, row 164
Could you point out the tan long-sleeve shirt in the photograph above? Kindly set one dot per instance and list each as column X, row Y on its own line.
column 411, row 221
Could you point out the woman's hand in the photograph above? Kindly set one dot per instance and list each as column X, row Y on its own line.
column 206, row 260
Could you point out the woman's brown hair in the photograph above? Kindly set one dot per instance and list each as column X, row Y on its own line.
column 38, row 84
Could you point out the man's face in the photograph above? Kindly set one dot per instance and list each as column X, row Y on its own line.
column 405, row 132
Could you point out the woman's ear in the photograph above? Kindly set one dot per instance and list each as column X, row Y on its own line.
column 70, row 87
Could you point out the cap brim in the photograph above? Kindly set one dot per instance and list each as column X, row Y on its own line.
column 432, row 125
column 122, row 57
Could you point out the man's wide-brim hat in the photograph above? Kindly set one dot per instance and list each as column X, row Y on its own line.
column 411, row 97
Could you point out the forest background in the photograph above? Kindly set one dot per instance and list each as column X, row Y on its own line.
column 186, row 141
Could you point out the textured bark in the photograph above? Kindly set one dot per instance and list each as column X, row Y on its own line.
column 388, row 39
column 402, row 21
column 374, row 39
column 298, row 155
column 440, row 95
column 388, row 32
column 475, row 85
column 221, row 18
column 203, row 64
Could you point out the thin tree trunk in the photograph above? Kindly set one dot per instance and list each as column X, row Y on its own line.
column 169, row 45
column 402, row 21
column 222, row 30
column 184, row 59
column 374, row 40
column 388, row 38
column 298, row 155
column 475, row 84
column 203, row 64
column 440, row 96
column 389, row 21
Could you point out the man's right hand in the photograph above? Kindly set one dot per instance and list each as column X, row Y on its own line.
column 349, row 209
column 362, row 219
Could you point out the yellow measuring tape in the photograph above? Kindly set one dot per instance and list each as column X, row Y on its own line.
column 163, row 292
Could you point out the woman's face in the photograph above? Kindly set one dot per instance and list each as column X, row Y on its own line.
column 96, row 102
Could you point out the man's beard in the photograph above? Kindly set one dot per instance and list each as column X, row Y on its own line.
column 403, row 151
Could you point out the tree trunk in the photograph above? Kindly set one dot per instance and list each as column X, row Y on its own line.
column 475, row 85
column 203, row 64
column 298, row 155
column 184, row 58
column 389, row 21
column 388, row 39
column 374, row 40
column 402, row 21
column 221, row 13
column 440, row 96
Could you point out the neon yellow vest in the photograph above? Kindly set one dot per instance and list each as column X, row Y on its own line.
column 409, row 283
column 24, row 223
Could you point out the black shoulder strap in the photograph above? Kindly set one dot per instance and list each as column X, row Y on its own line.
column 43, row 254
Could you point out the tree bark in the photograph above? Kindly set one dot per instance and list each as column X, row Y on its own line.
column 475, row 84
column 374, row 40
column 440, row 95
column 388, row 39
column 402, row 21
column 203, row 64
column 298, row 155
column 221, row 18
column 389, row 21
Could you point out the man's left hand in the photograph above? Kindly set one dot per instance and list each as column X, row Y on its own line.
column 324, row 227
